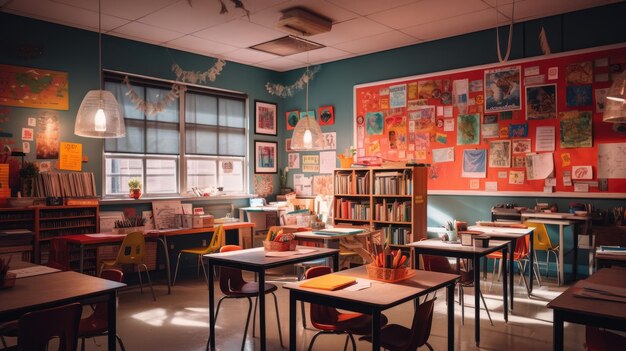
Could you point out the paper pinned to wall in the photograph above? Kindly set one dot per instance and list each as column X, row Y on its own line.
column 612, row 160
column 445, row 154
column 544, row 138
column 327, row 161
column 302, row 184
column 539, row 166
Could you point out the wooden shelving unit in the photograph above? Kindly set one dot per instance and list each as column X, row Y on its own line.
column 390, row 199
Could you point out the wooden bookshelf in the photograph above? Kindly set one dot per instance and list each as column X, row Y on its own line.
column 393, row 200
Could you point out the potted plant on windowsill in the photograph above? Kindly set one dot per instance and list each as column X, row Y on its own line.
column 134, row 186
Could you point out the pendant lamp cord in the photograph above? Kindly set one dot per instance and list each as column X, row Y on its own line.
column 508, row 49
column 100, row 43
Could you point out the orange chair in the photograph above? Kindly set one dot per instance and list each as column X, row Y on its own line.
column 330, row 321
column 521, row 253
column 442, row 265
column 96, row 324
column 395, row 337
column 59, row 323
column 233, row 286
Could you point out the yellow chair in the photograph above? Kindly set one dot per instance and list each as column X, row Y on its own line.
column 132, row 251
column 542, row 242
column 217, row 241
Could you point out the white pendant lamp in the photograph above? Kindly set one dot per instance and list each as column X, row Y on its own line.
column 307, row 135
column 615, row 105
column 99, row 115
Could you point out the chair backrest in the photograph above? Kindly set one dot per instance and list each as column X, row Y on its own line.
column 217, row 240
column 37, row 328
column 99, row 318
column 422, row 322
column 541, row 239
column 59, row 254
column 320, row 313
column 437, row 264
column 132, row 249
column 231, row 279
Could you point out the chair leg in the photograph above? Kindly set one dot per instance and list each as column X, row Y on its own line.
column 149, row 281
column 280, row 333
column 461, row 298
column 256, row 299
column 303, row 315
column 429, row 347
column 345, row 344
column 201, row 262
column 486, row 309
column 245, row 330
column 353, row 342
column 119, row 340
column 140, row 281
column 313, row 340
column 82, row 344
column 176, row 270
column 217, row 311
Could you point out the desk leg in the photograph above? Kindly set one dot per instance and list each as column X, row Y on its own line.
column 376, row 330
column 292, row 321
column 262, row 308
column 477, row 298
column 82, row 259
column 531, row 274
column 112, row 320
column 168, row 271
column 575, row 261
column 511, row 245
column 450, row 297
column 504, row 283
column 557, row 331
column 211, row 342
column 336, row 262
column 561, row 255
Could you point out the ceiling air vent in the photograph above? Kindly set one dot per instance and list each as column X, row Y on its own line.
column 303, row 22
column 286, row 46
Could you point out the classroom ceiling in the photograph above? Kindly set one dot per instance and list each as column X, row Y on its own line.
column 358, row 26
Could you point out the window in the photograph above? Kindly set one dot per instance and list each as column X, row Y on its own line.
column 212, row 154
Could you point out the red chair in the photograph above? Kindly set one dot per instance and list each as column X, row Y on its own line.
column 597, row 339
column 233, row 286
column 395, row 337
column 96, row 324
column 36, row 329
column 330, row 321
column 521, row 253
column 442, row 265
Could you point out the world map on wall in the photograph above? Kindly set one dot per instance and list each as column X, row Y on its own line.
column 33, row 87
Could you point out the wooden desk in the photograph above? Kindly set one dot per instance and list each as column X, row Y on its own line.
column 56, row 289
column 511, row 234
column 599, row 313
column 562, row 220
column 379, row 297
column 254, row 260
column 440, row 248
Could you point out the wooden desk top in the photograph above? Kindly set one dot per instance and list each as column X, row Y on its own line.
column 256, row 257
column 381, row 294
column 502, row 231
column 311, row 235
column 46, row 290
column 554, row 215
column 594, row 307
column 438, row 245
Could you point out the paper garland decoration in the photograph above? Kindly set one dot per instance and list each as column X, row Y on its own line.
column 152, row 108
column 196, row 77
column 288, row 91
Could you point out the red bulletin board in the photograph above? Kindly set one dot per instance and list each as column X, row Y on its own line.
column 404, row 119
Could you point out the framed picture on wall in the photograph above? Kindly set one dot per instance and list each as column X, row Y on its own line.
column 265, row 156
column 264, row 118
column 292, row 118
column 326, row 115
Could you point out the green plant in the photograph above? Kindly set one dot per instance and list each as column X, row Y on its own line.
column 29, row 170
column 282, row 177
column 134, row 183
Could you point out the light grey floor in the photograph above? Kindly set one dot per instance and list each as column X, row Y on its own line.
column 180, row 321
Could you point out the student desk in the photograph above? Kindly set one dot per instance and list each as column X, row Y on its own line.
column 85, row 240
column 56, row 289
column 562, row 220
column 331, row 241
column 441, row 248
column 511, row 234
column 594, row 312
column 254, row 260
column 379, row 297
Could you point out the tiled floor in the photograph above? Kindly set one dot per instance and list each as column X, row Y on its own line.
column 180, row 322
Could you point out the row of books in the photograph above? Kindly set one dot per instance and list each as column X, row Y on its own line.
column 344, row 183
column 397, row 235
column 347, row 209
column 72, row 184
column 396, row 211
column 393, row 183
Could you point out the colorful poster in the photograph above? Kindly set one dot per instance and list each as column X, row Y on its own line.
column 580, row 73
column 490, row 130
column 397, row 96
column 48, row 139
column 71, row 156
column 294, row 160
column 576, row 129
column 468, row 130
column 323, row 185
column 396, row 131
column 474, row 163
column 516, row 177
column 578, row 95
column 518, row 130
column 541, row 102
column 500, row 153
column 33, row 87
column 521, row 146
column 424, row 118
column 375, row 123
column 428, row 89
column 502, row 89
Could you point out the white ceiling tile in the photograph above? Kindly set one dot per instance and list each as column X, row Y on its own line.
column 319, row 55
column 368, row 7
column 131, row 10
column 153, row 34
column 454, row 26
column 281, row 64
column 250, row 55
column 187, row 19
column 360, row 27
column 192, row 43
column 425, row 11
column 239, row 33
column 379, row 42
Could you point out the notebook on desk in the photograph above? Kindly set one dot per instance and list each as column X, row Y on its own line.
column 338, row 231
column 329, row 282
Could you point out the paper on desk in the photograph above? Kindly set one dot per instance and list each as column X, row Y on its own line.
column 600, row 291
column 31, row 271
column 360, row 285
column 104, row 235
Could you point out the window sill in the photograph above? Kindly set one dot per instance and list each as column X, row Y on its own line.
column 146, row 200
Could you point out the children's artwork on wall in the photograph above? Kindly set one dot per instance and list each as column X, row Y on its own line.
column 576, row 129
column 374, row 123
column 516, row 177
column 327, row 115
column 578, row 95
column 288, row 145
column 263, row 185
column 474, row 163
column 265, row 156
column 490, row 118
column 489, row 130
column 292, row 118
column 27, row 134
column 505, row 115
column 518, row 130
column 521, row 146
column 33, row 87
column 500, row 153
column 468, row 130
column 541, row 102
column 294, row 160
column 48, row 138
column 518, row 161
column 429, row 89
column 424, row 118
column 330, row 140
column 396, row 131
column 580, row 73
column 265, row 117
column 601, row 99
column 323, row 185
column 502, row 89
column 397, row 96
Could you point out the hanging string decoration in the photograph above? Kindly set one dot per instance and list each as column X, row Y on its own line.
column 197, row 77
column 238, row 4
column 543, row 42
column 288, row 91
column 152, row 108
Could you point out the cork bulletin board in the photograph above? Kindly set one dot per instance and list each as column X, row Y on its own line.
column 527, row 126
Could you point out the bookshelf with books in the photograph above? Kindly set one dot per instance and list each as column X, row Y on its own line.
column 17, row 226
column 393, row 200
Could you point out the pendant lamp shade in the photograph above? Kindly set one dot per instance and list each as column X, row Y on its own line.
column 615, row 105
column 99, row 116
column 307, row 136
